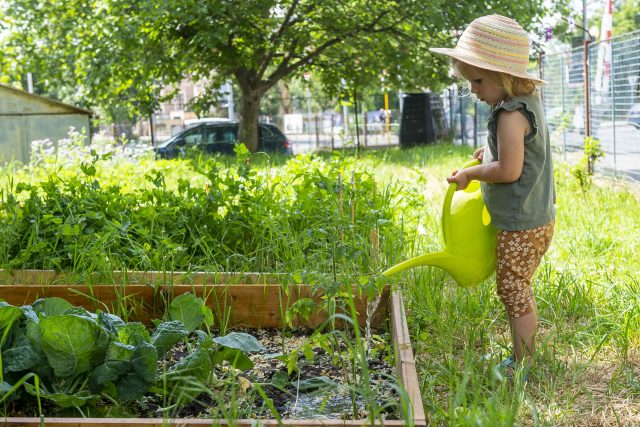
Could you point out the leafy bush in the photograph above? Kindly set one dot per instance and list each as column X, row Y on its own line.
column 216, row 214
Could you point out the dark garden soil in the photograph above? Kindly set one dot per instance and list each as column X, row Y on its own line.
column 337, row 395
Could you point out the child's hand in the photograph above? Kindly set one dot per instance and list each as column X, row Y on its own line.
column 479, row 153
column 459, row 177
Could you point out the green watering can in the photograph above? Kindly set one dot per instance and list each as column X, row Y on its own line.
column 469, row 254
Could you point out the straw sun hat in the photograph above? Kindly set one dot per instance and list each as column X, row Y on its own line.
column 496, row 43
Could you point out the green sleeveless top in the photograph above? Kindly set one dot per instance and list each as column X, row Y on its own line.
column 529, row 201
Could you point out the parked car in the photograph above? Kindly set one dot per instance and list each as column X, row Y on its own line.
column 220, row 137
column 633, row 116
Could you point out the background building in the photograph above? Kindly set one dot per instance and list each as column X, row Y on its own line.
column 25, row 117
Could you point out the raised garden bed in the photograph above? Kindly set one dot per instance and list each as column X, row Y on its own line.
column 241, row 300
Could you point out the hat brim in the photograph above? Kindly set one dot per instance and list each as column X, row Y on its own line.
column 477, row 62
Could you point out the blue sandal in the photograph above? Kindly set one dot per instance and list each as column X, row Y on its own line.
column 507, row 370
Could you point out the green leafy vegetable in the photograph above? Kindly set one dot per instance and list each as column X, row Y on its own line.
column 167, row 334
column 71, row 343
column 188, row 309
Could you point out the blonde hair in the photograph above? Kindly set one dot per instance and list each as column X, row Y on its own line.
column 512, row 85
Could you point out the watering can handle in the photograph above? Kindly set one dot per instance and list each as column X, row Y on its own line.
column 446, row 208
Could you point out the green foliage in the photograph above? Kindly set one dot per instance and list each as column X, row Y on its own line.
column 75, row 358
column 592, row 152
column 300, row 311
column 584, row 169
column 71, row 344
column 190, row 311
column 233, row 348
column 167, row 334
column 118, row 54
column 625, row 17
column 209, row 213
column 315, row 385
column 239, row 341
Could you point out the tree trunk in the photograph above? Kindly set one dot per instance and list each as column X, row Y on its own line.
column 249, row 110
column 123, row 130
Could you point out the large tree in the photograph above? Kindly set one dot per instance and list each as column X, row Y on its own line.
column 104, row 49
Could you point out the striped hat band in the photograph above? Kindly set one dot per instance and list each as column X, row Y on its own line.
column 494, row 42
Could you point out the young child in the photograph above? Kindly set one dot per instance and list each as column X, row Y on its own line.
column 516, row 173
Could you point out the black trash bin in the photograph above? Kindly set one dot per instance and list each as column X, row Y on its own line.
column 422, row 120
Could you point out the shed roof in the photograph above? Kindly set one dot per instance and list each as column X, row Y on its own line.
column 33, row 104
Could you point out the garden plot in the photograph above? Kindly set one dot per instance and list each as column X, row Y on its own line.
column 221, row 337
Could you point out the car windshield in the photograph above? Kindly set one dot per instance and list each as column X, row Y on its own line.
column 168, row 141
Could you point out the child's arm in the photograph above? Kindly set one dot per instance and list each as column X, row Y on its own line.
column 512, row 128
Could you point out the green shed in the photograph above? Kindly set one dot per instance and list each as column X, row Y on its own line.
column 25, row 117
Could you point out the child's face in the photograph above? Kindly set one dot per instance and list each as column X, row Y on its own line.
column 485, row 88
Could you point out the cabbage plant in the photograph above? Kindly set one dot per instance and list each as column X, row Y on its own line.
column 76, row 358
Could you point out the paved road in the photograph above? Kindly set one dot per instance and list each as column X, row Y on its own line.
column 621, row 145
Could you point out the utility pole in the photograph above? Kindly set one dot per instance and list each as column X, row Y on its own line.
column 152, row 131
column 345, row 111
column 355, row 107
column 29, row 83
column 587, row 41
column 584, row 20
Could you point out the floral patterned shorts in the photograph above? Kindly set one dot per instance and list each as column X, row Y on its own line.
column 518, row 255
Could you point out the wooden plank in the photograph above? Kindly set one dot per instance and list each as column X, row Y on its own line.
column 252, row 306
column 405, row 363
column 138, row 302
column 257, row 306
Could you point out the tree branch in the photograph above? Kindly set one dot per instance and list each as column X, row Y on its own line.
column 286, row 67
column 286, row 24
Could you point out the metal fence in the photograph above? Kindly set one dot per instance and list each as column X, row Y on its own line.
column 610, row 111
column 313, row 130
column 466, row 117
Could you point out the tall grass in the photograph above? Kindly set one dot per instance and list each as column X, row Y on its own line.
column 588, row 293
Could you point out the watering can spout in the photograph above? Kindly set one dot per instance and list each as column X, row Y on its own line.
column 469, row 238
column 465, row 271
column 435, row 259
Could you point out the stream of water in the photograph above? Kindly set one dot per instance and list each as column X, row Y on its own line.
column 372, row 306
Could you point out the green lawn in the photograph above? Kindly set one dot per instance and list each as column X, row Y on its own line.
column 588, row 293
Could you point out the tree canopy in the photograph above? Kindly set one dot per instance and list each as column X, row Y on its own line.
column 121, row 52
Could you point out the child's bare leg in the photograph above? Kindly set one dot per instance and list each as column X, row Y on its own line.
column 523, row 333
